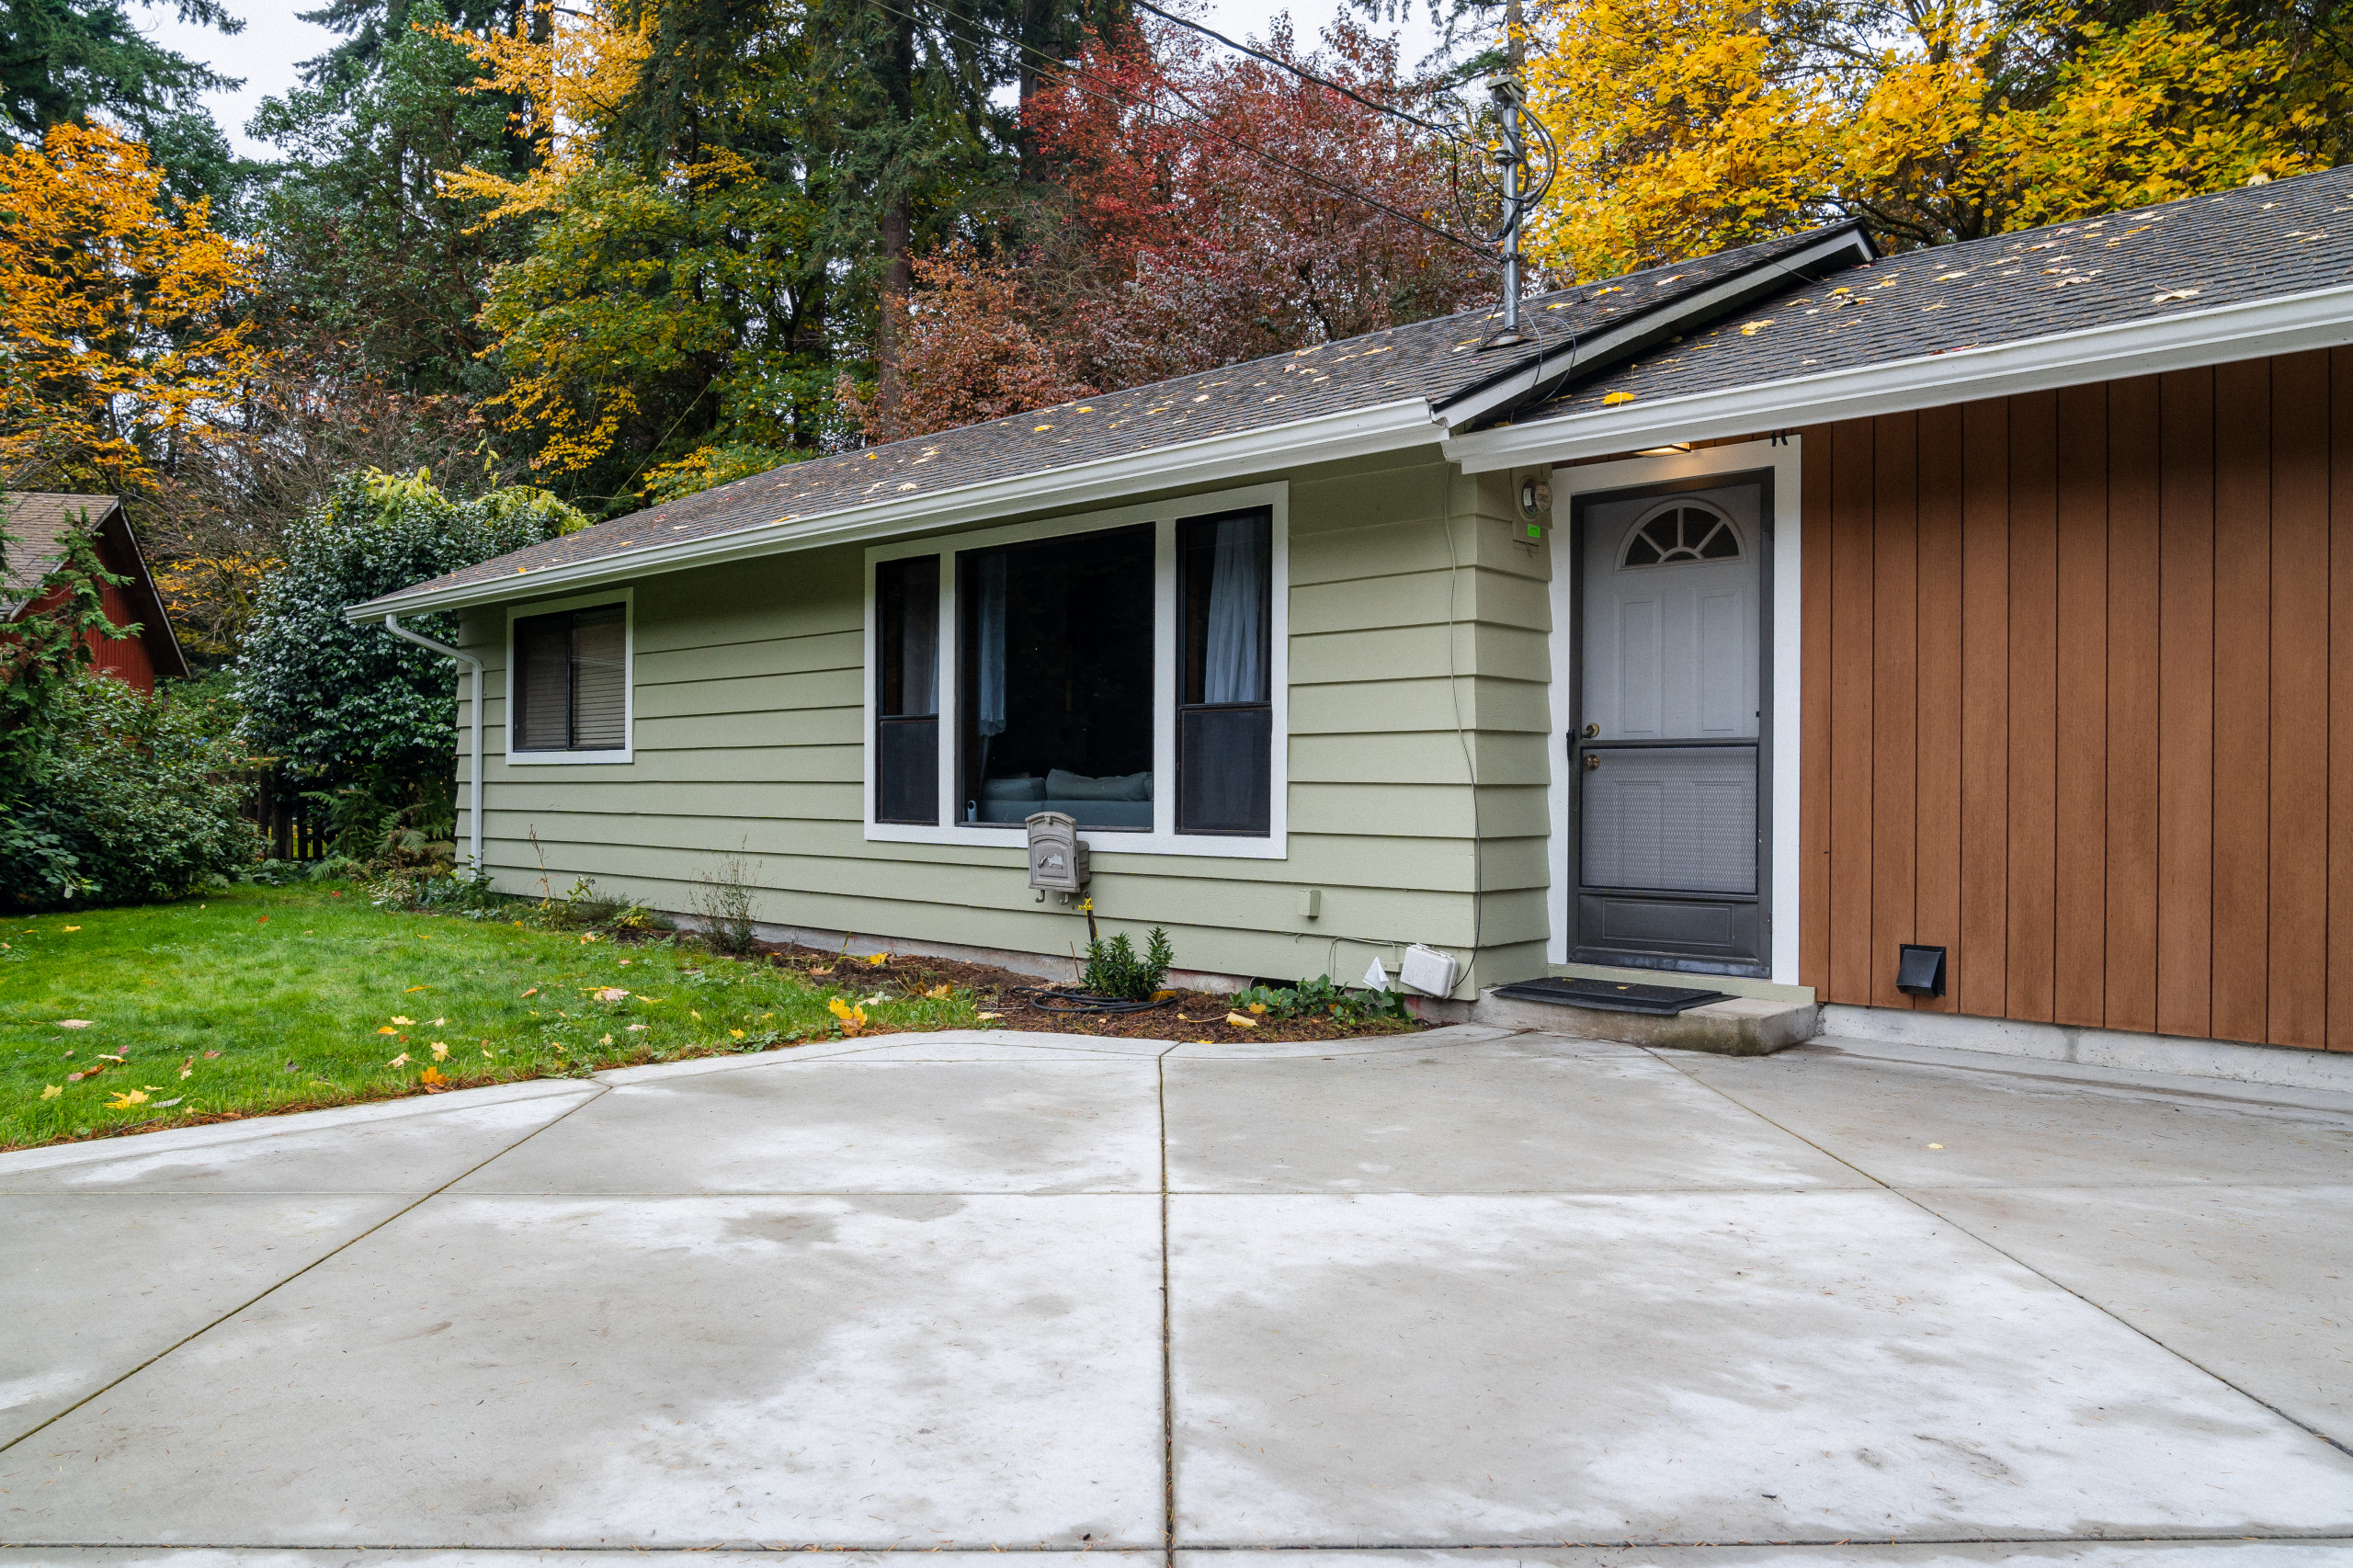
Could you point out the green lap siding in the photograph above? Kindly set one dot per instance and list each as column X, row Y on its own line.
column 1417, row 604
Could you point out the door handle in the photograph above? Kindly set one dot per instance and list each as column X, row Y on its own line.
column 1592, row 761
column 1593, row 732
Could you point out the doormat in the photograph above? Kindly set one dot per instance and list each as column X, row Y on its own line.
column 1611, row 995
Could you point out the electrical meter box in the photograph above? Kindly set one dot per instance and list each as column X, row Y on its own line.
column 1057, row 857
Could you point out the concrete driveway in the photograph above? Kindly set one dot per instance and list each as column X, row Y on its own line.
column 1400, row 1303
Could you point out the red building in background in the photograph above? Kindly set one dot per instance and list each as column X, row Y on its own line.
column 38, row 522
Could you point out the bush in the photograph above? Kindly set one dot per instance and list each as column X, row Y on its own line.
column 1113, row 969
column 350, row 703
column 130, row 800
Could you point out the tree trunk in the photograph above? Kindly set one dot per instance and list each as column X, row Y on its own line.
column 898, row 282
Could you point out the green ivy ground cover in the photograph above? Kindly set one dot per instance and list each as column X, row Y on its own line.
column 255, row 1000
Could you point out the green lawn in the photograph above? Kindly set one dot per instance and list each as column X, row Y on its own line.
column 263, row 999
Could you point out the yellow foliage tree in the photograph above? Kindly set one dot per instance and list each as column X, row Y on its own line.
column 118, row 314
column 1690, row 125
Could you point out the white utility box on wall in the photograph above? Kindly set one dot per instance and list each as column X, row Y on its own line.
column 1428, row 970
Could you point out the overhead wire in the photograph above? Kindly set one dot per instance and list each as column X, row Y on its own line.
column 1111, row 94
column 1450, row 132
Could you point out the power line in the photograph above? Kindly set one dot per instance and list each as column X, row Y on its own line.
column 1450, row 132
column 1111, row 94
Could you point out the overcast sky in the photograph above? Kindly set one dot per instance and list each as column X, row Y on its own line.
column 266, row 54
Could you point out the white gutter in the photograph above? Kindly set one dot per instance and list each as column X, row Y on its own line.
column 1621, row 340
column 1212, row 460
column 2254, row 330
column 474, row 763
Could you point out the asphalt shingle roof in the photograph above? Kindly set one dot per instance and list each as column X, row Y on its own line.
column 2289, row 237
column 1433, row 359
column 36, row 520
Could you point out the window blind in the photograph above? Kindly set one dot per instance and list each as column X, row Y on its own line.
column 572, row 680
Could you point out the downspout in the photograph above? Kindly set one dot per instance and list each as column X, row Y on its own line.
column 473, row 762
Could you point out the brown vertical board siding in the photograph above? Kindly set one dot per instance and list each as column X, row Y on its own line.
column 2069, row 703
column 2130, row 925
column 2034, row 678
column 2242, row 762
column 1851, row 614
column 1977, row 970
column 2185, row 704
column 2297, row 941
column 1815, row 445
column 1936, row 847
column 1895, row 692
column 2079, row 978
column 2340, row 679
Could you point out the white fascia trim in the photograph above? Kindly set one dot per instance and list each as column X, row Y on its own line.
column 1466, row 411
column 1360, row 432
column 2323, row 319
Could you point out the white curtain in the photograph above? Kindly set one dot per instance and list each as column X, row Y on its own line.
column 1235, row 658
column 991, row 671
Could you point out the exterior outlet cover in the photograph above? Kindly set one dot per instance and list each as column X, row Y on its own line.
column 1428, row 971
column 1920, row 971
column 1058, row 858
column 1376, row 977
column 1310, row 903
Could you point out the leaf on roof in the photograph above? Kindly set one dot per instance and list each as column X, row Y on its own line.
column 1750, row 328
column 2167, row 296
column 1608, row 398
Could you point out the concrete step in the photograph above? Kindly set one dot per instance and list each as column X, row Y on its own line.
column 1738, row 1026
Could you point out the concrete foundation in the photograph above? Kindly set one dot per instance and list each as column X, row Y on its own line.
column 2283, row 1065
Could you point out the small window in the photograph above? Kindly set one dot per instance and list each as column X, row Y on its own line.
column 571, row 681
column 906, row 696
column 1224, row 711
column 1688, row 531
column 1054, row 670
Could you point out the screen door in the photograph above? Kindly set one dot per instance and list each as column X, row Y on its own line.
column 1670, row 720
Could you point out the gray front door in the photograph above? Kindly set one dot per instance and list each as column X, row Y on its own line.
column 1670, row 718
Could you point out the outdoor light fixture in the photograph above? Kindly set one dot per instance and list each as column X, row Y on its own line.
column 1672, row 448
column 1920, row 971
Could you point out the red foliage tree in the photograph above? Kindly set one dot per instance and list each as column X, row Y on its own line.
column 1200, row 217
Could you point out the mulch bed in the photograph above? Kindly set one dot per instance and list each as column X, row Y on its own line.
column 1192, row 1015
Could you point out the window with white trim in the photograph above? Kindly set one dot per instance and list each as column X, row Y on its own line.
column 569, row 685
column 1124, row 670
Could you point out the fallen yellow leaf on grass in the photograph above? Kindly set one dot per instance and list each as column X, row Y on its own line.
column 534, row 991
column 73, row 1023
column 387, row 1029
column 606, row 1040
column 939, row 991
column 399, row 1061
column 416, row 987
column 737, row 1033
column 440, row 1052
column 431, row 1077
column 1242, row 1020
column 126, row 1099
column 52, row 1092
column 439, row 1022
column 611, row 993
column 992, row 1015
column 200, row 906
column 398, row 1019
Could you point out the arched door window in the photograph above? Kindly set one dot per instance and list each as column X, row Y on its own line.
column 1681, row 531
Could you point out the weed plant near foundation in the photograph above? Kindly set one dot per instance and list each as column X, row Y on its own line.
column 260, row 999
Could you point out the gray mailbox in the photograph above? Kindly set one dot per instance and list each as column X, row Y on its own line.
column 1057, row 857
